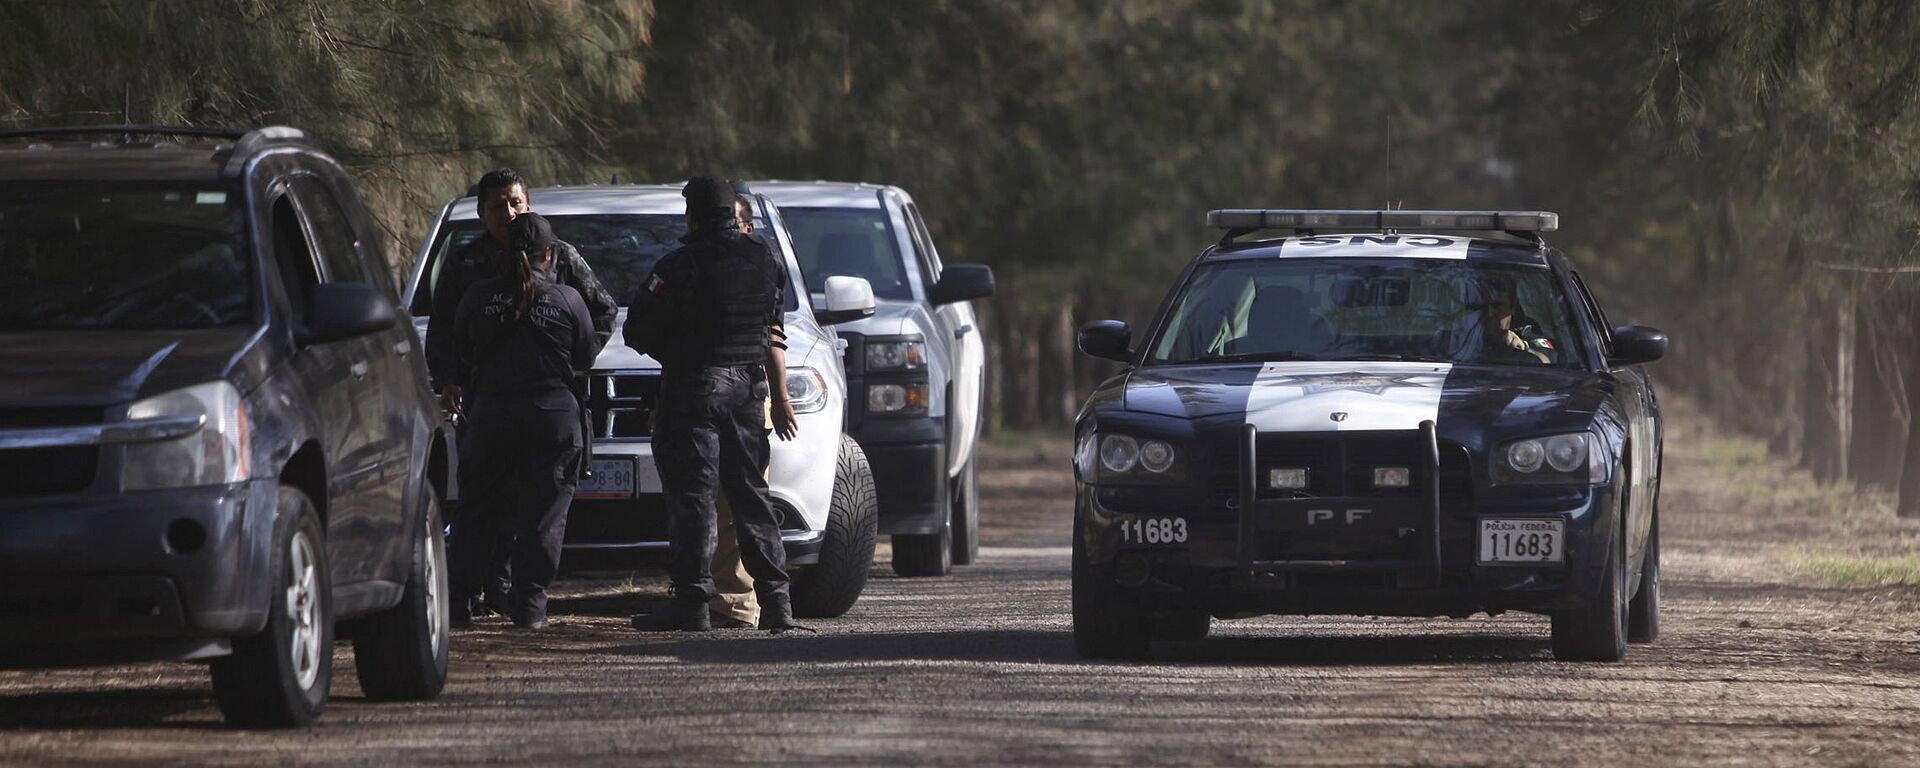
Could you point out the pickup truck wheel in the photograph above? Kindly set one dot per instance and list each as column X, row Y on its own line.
column 966, row 516
column 846, row 554
column 401, row 653
column 924, row 554
column 1643, row 614
column 1599, row 631
column 1100, row 629
column 278, row 677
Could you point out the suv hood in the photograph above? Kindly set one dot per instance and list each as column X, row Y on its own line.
column 1355, row 396
column 104, row 368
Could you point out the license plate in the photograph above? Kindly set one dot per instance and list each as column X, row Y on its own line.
column 1522, row 541
column 612, row 479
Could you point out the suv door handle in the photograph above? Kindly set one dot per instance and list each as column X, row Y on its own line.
column 402, row 347
column 359, row 369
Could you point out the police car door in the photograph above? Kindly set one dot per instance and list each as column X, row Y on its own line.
column 1635, row 398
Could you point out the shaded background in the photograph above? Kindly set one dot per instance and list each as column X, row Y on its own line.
column 1741, row 173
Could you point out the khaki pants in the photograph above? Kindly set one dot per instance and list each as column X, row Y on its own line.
column 732, row 587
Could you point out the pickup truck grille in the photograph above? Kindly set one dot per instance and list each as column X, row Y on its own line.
column 621, row 402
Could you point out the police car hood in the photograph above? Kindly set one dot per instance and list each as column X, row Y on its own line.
column 1323, row 396
column 105, row 368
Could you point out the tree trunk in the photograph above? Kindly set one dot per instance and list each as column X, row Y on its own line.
column 1063, row 350
column 1822, row 451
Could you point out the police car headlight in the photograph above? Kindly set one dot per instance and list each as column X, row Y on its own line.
column 1571, row 459
column 1116, row 458
column 214, row 455
column 806, row 389
column 903, row 355
column 1119, row 453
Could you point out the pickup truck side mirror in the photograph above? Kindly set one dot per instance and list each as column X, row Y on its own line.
column 1107, row 339
column 1636, row 344
column 339, row 311
column 848, row 299
column 962, row 282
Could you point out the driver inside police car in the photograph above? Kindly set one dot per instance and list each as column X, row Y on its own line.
column 1509, row 334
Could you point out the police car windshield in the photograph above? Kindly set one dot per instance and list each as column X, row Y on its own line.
column 124, row 256
column 857, row 242
column 621, row 248
column 1421, row 310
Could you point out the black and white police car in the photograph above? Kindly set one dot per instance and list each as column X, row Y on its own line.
column 1357, row 419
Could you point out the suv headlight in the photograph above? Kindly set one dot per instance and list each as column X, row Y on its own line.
column 806, row 389
column 1577, row 458
column 903, row 355
column 1118, row 458
column 216, row 455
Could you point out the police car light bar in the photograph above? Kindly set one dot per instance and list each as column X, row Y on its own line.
column 1294, row 218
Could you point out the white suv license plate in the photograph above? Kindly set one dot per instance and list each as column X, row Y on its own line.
column 612, row 479
column 1520, row 541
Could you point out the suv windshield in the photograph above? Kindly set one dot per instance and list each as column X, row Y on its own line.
column 121, row 256
column 621, row 248
column 857, row 242
column 1431, row 310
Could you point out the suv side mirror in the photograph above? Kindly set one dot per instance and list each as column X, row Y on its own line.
column 1636, row 344
column 1107, row 339
column 962, row 282
column 338, row 311
column 848, row 299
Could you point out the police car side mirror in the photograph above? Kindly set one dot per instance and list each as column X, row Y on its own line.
column 1636, row 344
column 962, row 282
column 339, row 311
column 848, row 299
column 1107, row 339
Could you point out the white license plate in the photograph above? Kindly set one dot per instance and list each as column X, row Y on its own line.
column 1522, row 541
column 612, row 479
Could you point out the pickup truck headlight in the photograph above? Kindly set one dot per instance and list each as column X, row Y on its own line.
column 1118, row 458
column 897, row 399
column 216, row 455
column 1576, row 458
column 806, row 389
column 903, row 355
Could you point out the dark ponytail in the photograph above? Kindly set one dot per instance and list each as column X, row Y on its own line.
column 523, row 298
column 529, row 237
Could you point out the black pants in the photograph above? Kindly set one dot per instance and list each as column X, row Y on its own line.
column 712, row 435
column 464, row 531
column 519, row 477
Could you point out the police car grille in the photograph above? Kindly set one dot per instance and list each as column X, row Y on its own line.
column 1342, row 466
column 621, row 402
column 32, row 471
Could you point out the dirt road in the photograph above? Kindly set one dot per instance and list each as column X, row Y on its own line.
column 1768, row 657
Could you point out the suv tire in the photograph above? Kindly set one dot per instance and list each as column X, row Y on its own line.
column 1100, row 629
column 966, row 515
column 846, row 555
column 1599, row 631
column 279, row 677
column 401, row 652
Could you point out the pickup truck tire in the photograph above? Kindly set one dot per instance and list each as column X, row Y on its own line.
column 966, row 516
column 830, row 588
column 924, row 554
column 279, row 677
column 401, row 652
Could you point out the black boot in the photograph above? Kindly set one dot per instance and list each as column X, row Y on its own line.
column 776, row 614
column 676, row 616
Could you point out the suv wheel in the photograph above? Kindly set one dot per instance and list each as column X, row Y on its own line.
column 1599, row 631
column 846, row 555
column 1643, row 614
column 1100, row 629
column 966, row 516
column 278, row 677
column 401, row 653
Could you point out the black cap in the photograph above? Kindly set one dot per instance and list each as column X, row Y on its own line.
column 708, row 197
column 530, row 232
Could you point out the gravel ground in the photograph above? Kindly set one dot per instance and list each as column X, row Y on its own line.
column 1757, row 666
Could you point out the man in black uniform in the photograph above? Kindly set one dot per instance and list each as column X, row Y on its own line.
column 518, row 341
column 501, row 196
column 704, row 313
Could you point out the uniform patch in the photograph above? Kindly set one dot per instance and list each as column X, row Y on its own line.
column 655, row 285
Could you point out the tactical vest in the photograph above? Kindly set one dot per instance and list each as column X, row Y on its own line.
column 742, row 300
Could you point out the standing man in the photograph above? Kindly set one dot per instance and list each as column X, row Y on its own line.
column 706, row 314
column 501, row 195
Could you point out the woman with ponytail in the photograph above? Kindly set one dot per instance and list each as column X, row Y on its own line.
column 518, row 341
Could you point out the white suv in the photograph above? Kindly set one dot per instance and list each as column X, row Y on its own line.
column 819, row 481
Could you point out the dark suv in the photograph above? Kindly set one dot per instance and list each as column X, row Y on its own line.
column 216, row 436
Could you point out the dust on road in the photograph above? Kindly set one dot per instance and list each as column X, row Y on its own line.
column 1759, row 664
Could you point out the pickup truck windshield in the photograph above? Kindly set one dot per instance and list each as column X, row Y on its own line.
column 122, row 256
column 856, row 242
column 1427, row 310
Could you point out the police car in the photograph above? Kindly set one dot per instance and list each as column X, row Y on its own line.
column 1405, row 413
